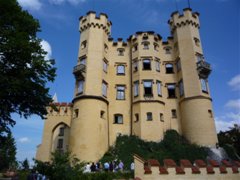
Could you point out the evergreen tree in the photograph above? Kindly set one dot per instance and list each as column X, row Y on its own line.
column 230, row 141
column 25, row 164
column 7, row 150
column 23, row 70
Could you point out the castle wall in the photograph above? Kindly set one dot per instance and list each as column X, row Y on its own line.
column 109, row 73
column 154, row 171
column 54, row 120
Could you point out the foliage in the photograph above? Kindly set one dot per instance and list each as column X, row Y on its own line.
column 23, row 70
column 7, row 151
column 230, row 141
column 172, row 146
column 66, row 166
column 63, row 166
column 25, row 164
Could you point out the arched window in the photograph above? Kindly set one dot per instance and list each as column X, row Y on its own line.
column 118, row 119
column 169, row 68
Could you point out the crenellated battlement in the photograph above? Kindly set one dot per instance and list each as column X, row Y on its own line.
column 118, row 44
column 92, row 20
column 152, row 169
column 187, row 18
column 147, row 35
column 60, row 109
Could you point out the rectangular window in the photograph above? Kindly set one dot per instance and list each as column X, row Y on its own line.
column 102, row 114
column 84, row 45
column 171, row 90
column 104, row 89
column 135, row 48
column 145, row 45
column 158, row 66
column 156, row 46
column 60, row 144
column 159, row 88
column 120, row 92
column 149, row 116
column 161, row 117
column 136, row 117
column 204, row 85
column 120, row 52
column 83, row 61
column 118, row 119
column 61, row 131
column 210, row 113
column 146, row 64
column 120, row 69
column 76, row 113
column 147, row 88
column 80, row 86
column 199, row 57
column 181, row 88
column 174, row 113
column 105, row 66
column 136, row 88
column 135, row 66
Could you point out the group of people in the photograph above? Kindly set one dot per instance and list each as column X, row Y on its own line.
column 112, row 166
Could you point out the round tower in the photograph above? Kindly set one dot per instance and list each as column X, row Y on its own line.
column 89, row 126
column 195, row 101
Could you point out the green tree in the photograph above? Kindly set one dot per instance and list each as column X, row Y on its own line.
column 63, row 166
column 230, row 141
column 7, row 151
column 25, row 164
column 24, row 72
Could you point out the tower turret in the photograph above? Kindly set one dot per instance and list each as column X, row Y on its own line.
column 195, row 102
column 89, row 128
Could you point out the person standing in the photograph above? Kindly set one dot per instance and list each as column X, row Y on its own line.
column 121, row 165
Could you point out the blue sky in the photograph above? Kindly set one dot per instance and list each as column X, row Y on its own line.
column 220, row 36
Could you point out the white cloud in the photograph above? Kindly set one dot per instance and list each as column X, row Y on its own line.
column 224, row 122
column 30, row 4
column 235, row 82
column 233, row 104
column 47, row 47
column 72, row 2
column 24, row 140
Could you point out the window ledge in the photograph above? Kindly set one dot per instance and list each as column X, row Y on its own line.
column 147, row 69
column 120, row 74
column 121, row 99
column 172, row 97
column 117, row 123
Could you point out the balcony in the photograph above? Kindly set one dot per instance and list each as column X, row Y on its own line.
column 204, row 69
column 78, row 70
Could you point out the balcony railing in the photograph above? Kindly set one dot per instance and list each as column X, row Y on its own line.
column 204, row 69
column 79, row 69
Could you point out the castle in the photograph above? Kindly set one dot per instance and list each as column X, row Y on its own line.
column 141, row 87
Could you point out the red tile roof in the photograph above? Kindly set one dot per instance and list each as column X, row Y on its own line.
column 169, row 163
column 235, row 170
column 213, row 163
column 180, row 170
column 200, row 163
column 147, row 170
column 237, row 163
column 210, row 170
column 226, row 163
column 163, row 170
column 223, row 170
column 185, row 163
column 195, row 170
column 153, row 162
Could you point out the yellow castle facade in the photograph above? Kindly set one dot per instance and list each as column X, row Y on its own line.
column 141, row 87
